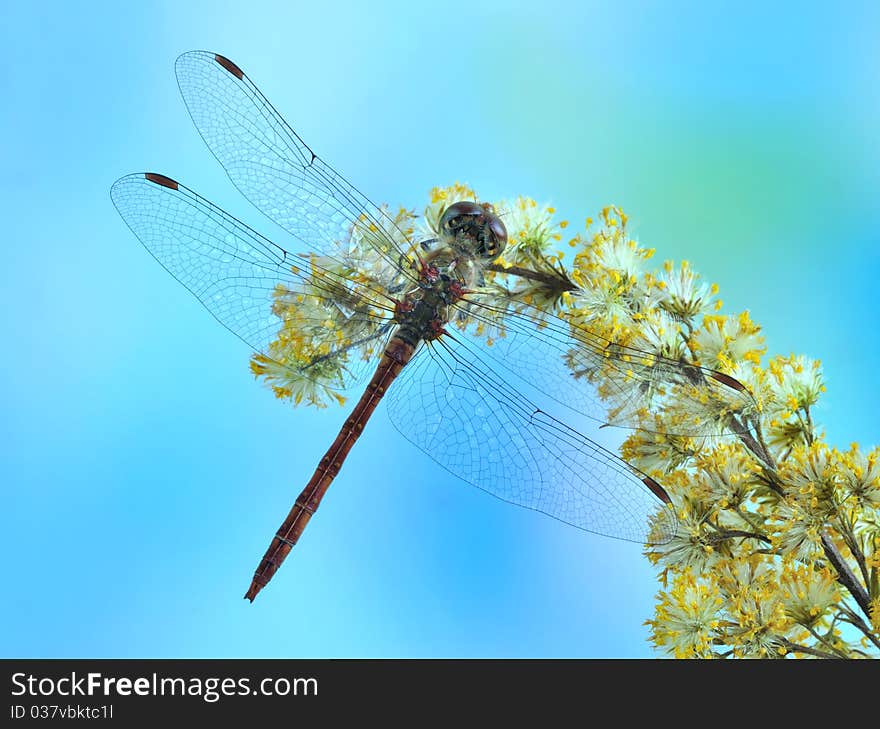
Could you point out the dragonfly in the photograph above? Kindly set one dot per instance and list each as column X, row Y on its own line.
column 504, row 415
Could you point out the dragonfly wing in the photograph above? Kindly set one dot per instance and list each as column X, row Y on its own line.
column 272, row 166
column 251, row 285
column 463, row 414
column 605, row 381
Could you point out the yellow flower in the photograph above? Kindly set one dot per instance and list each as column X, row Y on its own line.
column 758, row 494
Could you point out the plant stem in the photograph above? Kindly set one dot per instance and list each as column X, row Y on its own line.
column 824, row 641
column 557, row 282
column 756, row 426
column 847, row 532
column 809, row 425
column 856, row 621
column 845, row 575
column 745, row 517
column 756, row 448
column 734, row 533
column 796, row 648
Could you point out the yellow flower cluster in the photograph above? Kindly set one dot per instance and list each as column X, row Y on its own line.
column 329, row 326
column 777, row 552
column 779, row 534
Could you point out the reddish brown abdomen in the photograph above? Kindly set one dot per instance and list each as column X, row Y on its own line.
column 397, row 354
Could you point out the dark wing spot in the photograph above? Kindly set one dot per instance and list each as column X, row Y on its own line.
column 229, row 66
column 657, row 489
column 729, row 381
column 161, row 180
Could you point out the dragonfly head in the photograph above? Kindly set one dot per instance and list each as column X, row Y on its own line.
column 474, row 229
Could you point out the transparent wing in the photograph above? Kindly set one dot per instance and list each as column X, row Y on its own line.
column 462, row 413
column 607, row 382
column 253, row 286
column 273, row 168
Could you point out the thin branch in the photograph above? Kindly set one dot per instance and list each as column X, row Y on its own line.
column 557, row 282
column 688, row 338
column 745, row 517
column 796, row 648
column 849, row 538
column 734, row 533
column 769, row 479
column 824, row 641
column 856, row 621
column 809, row 425
column 756, row 448
column 756, row 426
column 845, row 575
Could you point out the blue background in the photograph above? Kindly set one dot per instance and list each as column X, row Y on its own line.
column 143, row 470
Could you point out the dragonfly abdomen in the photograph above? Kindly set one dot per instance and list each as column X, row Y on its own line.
column 396, row 355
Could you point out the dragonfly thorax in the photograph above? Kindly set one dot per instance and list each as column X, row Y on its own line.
column 423, row 311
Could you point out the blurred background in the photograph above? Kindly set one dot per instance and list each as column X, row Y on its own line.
column 143, row 469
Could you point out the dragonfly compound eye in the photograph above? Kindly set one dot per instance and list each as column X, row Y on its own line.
column 473, row 228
